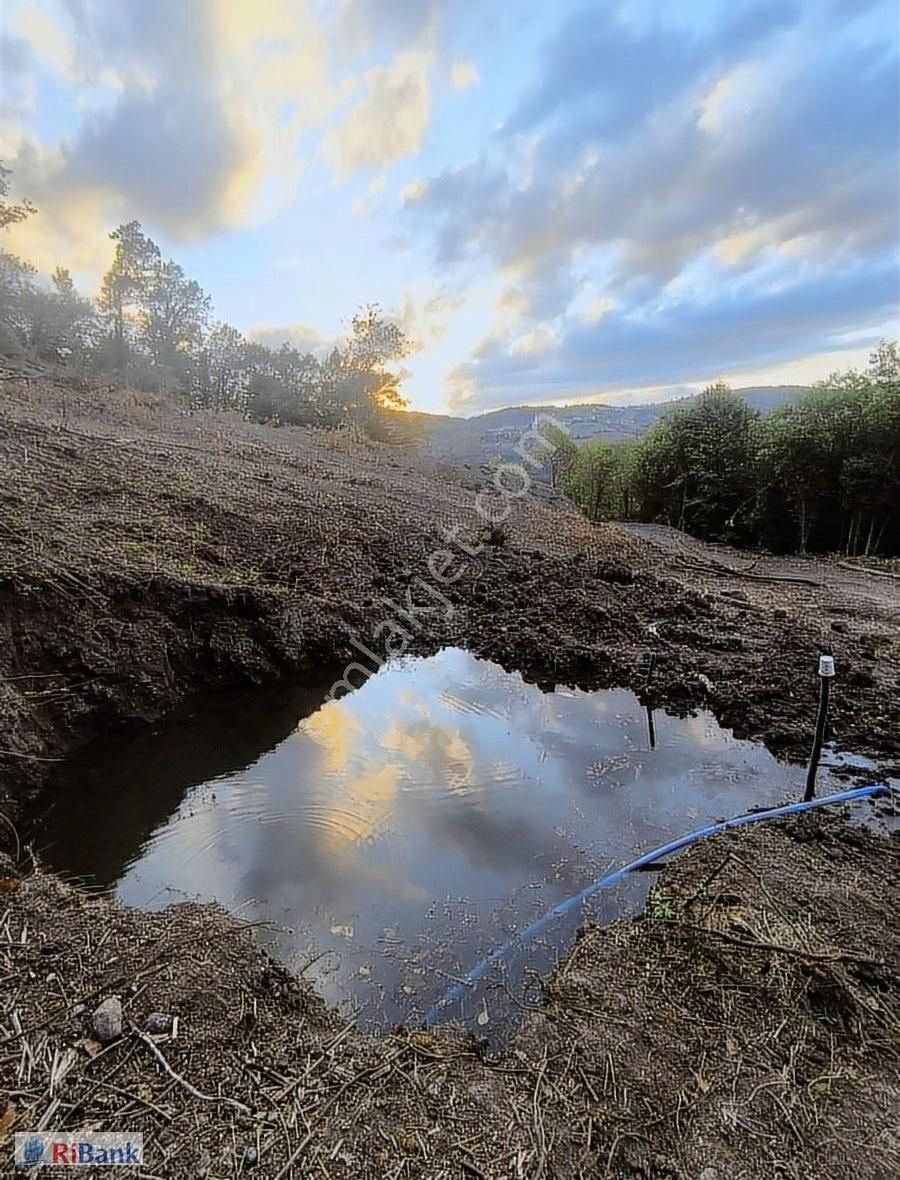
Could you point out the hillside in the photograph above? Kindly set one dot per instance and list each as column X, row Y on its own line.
column 147, row 554
column 474, row 441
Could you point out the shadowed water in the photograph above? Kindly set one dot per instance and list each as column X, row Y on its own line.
column 393, row 837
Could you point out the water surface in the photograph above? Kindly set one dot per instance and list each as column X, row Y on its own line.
column 393, row 837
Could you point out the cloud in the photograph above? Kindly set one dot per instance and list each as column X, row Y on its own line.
column 603, row 74
column 17, row 94
column 300, row 336
column 186, row 116
column 664, row 188
column 44, row 36
column 361, row 26
column 364, row 27
column 463, row 74
column 414, row 191
column 389, row 123
column 426, row 315
column 364, row 204
column 687, row 340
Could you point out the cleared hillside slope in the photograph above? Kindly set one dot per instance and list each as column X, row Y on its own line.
column 144, row 555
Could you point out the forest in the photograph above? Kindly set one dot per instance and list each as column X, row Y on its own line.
column 152, row 327
column 819, row 474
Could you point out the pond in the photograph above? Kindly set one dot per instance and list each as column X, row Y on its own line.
column 389, row 839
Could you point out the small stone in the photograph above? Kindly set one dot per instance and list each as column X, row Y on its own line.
column 709, row 1174
column 158, row 1022
column 251, row 1155
column 92, row 1048
column 108, row 1019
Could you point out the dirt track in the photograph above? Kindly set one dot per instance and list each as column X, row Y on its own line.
column 876, row 586
column 746, row 1024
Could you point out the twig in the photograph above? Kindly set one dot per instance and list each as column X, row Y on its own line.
column 729, row 571
column 341, row 1090
column 757, row 944
column 192, row 1090
column 12, row 827
column 28, row 757
column 861, row 569
column 468, row 1165
column 135, row 1098
column 321, row 955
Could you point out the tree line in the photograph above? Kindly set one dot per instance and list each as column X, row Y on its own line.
column 152, row 327
column 819, row 474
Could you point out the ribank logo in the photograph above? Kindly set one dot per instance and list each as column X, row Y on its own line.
column 32, row 1152
column 62, row 1149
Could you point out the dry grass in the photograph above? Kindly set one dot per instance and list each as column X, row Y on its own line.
column 752, row 1029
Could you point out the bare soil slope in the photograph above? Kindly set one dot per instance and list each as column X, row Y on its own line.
column 144, row 555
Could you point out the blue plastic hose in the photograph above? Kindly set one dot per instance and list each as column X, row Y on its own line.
column 613, row 878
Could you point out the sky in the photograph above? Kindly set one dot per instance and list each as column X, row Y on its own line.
column 606, row 201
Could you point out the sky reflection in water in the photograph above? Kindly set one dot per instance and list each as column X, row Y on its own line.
column 405, row 829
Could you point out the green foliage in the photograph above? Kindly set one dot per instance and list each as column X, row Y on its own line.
column 153, row 312
column 563, row 456
column 151, row 326
column 60, row 324
column 828, row 467
column 591, row 479
column 124, row 289
column 821, row 473
column 176, row 313
column 354, row 384
column 16, row 275
column 10, row 213
column 16, row 290
column 695, row 467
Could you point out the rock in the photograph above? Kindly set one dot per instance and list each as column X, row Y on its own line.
column 158, row 1022
column 251, row 1156
column 108, row 1019
column 708, row 1174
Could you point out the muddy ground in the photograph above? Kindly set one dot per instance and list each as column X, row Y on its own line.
column 145, row 555
column 746, row 1026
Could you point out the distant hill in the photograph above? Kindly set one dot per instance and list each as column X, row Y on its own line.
column 475, row 441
